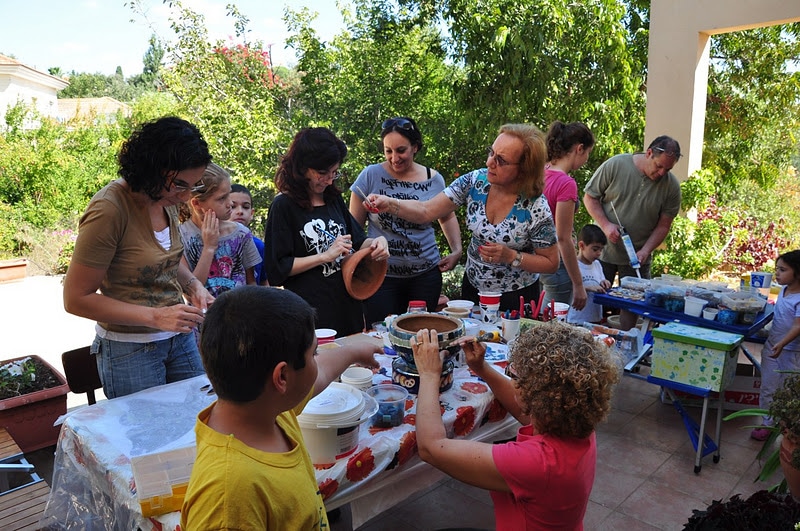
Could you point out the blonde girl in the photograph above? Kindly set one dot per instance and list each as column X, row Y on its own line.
column 221, row 253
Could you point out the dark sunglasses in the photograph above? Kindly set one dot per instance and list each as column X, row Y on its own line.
column 676, row 156
column 399, row 123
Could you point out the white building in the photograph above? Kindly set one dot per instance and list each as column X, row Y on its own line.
column 23, row 83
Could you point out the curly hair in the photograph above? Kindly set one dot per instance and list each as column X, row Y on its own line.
column 157, row 151
column 534, row 156
column 565, row 378
column 313, row 147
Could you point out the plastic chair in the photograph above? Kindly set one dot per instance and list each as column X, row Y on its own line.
column 80, row 368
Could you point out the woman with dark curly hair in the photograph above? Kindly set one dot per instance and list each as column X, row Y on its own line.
column 560, row 389
column 126, row 271
column 309, row 231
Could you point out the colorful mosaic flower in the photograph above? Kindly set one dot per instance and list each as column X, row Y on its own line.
column 465, row 420
column 328, row 488
column 360, row 465
column 476, row 388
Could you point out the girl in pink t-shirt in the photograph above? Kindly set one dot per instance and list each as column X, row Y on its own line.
column 568, row 148
column 559, row 388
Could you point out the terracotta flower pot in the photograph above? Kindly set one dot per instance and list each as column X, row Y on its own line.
column 792, row 474
column 29, row 418
column 363, row 275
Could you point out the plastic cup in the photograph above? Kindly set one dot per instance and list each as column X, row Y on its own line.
column 694, row 306
column 560, row 311
column 710, row 313
column 454, row 311
column 760, row 280
column 391, row 400
column 459, row 303
column 490, row 313
column 489, row 297
column 510, row 329
column 325, row 335
column 358, row 377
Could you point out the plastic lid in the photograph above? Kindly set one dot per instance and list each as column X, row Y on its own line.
column 417, row 304
column 338, row 403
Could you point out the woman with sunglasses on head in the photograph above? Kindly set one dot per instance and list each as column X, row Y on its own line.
column 560, row 387
column 126, row 271
column 309, row 231
column 513, row 236
column 415, row 266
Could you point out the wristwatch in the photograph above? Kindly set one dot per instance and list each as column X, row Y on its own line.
column 517, row 261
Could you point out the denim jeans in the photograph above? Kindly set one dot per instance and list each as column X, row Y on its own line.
column 557, row 286
column 126, row 368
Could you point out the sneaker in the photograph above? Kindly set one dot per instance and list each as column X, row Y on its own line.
column 760, row 434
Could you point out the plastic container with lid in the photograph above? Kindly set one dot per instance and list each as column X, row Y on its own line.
column 417, row 307
column 694, row 306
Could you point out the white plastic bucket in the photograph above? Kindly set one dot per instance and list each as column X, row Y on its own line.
column 330, row 422
column 694, row 306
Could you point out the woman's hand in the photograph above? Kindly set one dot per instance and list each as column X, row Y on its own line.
column 210, row 231
column 496, row 253
column 198, row 295
column 181, row 318
column 427, row 356
column 342, row 245
column 474, row 353
column 449, row 262
column 380, row 248
column 579, row 297
column 376, row 203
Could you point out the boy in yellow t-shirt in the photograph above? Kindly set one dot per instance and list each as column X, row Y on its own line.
column 252, row 469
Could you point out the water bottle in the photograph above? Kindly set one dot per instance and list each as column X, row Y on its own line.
column 626, row 240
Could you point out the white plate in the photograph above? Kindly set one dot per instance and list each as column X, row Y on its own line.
column 496, row 352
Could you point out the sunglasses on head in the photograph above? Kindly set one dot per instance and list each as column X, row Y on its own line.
column 399, row 123
column 672, row 154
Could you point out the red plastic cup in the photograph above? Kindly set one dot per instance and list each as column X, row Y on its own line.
column 489, row 297
column 325, row 335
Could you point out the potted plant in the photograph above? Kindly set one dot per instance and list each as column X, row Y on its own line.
column 785, row 413
column 762, row 510
column 33, row 394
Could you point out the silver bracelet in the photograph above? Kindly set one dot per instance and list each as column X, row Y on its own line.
column 189, row 283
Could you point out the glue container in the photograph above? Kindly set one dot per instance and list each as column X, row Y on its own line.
column 626, row 240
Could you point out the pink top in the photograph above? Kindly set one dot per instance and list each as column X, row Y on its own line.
column 550, row 480
column 558, row 188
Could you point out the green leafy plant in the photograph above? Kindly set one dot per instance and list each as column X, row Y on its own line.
column 762, row 510
column 785, row 414
column 25, row 375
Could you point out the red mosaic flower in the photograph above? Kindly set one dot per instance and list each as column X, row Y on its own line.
column 408, row 446
column 324, row 467
column 409, row 403
column 476, row 388
column 410, row 419
column 360, row 465
column 328, row 487
column 465, row 420
column 496, row 411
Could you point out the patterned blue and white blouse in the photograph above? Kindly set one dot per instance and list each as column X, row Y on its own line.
column 528, row 226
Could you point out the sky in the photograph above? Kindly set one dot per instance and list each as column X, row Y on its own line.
column 96, row 36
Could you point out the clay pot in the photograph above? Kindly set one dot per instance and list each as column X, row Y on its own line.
column 792, row 475
column 403, row 328
column 363, row 276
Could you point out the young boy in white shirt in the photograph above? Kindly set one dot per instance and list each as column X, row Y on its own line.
column 591, row 242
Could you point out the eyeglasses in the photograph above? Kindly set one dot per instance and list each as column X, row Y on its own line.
column 499, row 160
column 183, row 186
column 323, row 175
column 399, row 123
column 676, row 156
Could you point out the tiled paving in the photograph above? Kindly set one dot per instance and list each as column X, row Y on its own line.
column 644, row 481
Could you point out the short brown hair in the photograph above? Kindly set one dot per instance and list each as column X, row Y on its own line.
column 565, row 377
column 534, row 156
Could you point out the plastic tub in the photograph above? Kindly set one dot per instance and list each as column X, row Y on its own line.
column 710, row 313
column 694, row 306
column 391, row 400
column 331, row 420
column 358, row 377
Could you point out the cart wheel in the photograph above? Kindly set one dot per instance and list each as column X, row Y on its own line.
column 697, row 468
column 716, row 459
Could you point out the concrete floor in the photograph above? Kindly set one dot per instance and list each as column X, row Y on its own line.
column 644, row 479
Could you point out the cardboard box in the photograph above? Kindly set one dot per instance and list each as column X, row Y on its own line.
column 742, row 393
column 699, row 357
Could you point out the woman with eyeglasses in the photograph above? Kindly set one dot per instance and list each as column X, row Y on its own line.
column 126, row 271
column 560, row 387
column 513, row 236
column 415, row 266
column 309, row 231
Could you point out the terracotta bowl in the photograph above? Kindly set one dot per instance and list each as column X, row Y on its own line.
column 363, row 275
column 406, row 326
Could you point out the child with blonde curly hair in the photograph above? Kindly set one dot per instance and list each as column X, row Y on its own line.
column 560, row 389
